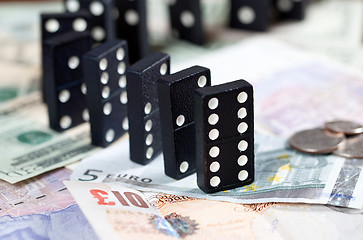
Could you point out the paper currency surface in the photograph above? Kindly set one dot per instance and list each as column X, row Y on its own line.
column 38, row 195
column 29, row 147
column 283, row 175
column 207, row 219
column 41, row 208
column 285, row 91
column 164, row 216
column 20, row 58
column 294, row 90
column 118, row 212
column 13, row 84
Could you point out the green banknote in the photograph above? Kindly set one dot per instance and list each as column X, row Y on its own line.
column 29, row 147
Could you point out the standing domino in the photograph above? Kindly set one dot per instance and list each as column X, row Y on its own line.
column 224, row 136
column 53, row 25
column 101, row 13
column 186, row 20
column 105, row 76
column 143, row 106
column 176, row 101
column 131, row 26
column 252, row 15
column 291, row 9
column 65, row 92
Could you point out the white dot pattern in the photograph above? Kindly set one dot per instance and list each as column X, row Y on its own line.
column 239, row 128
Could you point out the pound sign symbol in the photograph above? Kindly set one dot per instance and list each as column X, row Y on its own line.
column 102, row 197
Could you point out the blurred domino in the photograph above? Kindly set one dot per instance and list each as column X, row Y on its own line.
column 131, row 26
column 105, row 77
column 65, row 92
column 101, row 14
column 186, row 20
column 291, row 9
column 224, row 125
column 143, row 106
column 176, row 102
column 53, row 25
column 252, row 15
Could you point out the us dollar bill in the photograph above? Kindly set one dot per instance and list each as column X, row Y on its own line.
column 29, row 147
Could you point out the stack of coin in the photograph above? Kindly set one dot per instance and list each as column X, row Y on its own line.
column 343, row 138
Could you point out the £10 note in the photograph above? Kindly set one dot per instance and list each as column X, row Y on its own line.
column 117, row 212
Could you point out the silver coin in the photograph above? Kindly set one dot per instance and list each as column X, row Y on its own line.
column 316, row 141
column 346, row 127
column 346, row 210
column 353, row 148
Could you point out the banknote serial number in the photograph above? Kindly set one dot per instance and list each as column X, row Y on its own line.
column 125, row 199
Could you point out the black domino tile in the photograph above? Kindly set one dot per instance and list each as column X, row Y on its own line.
column 143, row 106
column 105, row 77
column 186, row 20
column 251, row 14
column 64, row 78
column 224, row 149
column 176, row 102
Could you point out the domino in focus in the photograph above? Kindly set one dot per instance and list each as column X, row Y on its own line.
column 224, row 125
column 176, row 102
column 105, row 77
column 143, row 106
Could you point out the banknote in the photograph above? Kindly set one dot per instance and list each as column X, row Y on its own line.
column 20, row 32
column 45, row 193
column 282, row 175
column 14, row 85
column 29, row 147
column 117, row 212
column 206, row 219
column 114, row 215
column 31, row 209
column 296, row 90
column 67, row 223
column 345, row 28
column 20, row 58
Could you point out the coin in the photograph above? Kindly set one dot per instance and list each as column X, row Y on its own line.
column 353, row 148
column 316, row 140
column 346, row 127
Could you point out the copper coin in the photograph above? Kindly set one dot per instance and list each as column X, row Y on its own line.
column 346, row 127
column 353, row 148
column 316, row 141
